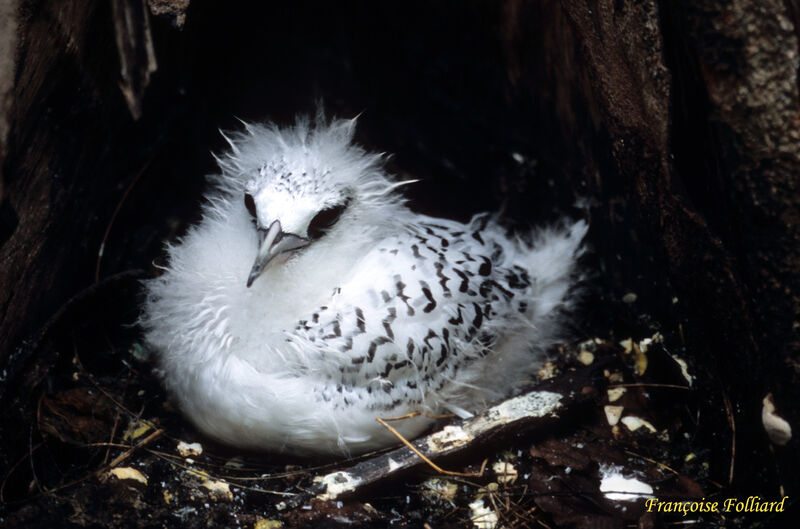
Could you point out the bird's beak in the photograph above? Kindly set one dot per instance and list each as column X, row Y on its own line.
column 271, row 243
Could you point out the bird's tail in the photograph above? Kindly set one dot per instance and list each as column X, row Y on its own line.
column 552, row 262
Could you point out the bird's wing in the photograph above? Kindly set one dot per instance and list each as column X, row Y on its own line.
column 419, row 308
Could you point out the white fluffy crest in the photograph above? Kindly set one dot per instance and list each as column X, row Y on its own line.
column 309, row 155
column 381, row 313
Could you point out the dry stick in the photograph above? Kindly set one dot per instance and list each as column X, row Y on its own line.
column 13, row 468
column 527, row 515
column 732, row 422
column 106, row 445
column 543, row 524
column 150, row 438
column 643, row 385
column 497, row 510
column 417, row 414
column 653, row 461
column 144, row 442
column 106, row 394
column 430, row 463
column 117, row 209
column 30, row 458
column 170, row 459
column 532, row 409
column 111, row 437
column 77, row 358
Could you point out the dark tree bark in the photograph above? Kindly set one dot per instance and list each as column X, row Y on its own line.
column 747, row 54
column 73, row 145
column 725, row 218
column 698, row 104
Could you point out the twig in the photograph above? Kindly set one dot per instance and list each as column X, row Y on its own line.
column 150, row 438
column 430, row 463
column 30, row 458
column 106, row 445
column 520, row 413
column 732, row 423
column 417, row 414
column 13, row 468
column 111, row 437
column 123, row 456
column 644, row 385
column 161, row 455
column 662, row 465
column 117, row 209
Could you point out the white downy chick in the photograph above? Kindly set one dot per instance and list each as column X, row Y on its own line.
column 309, row 300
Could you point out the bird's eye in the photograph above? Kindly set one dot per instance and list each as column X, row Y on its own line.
column 250, row 204
column 323, row 221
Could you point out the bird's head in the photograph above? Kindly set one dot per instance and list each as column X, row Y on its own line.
column 292, row 203
column 305, row 184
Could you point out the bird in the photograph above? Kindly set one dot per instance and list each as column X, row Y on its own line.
column 309, row 300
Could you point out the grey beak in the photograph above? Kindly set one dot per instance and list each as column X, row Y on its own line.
column 271, row 243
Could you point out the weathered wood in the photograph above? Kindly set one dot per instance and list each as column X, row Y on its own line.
column 732, row 257
column 137, row 58
column 536, row 410
column 9, row 25
column 39, row 172
column 174, row 9
column 519, row 413
column 749, row 59
column 71, row 145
